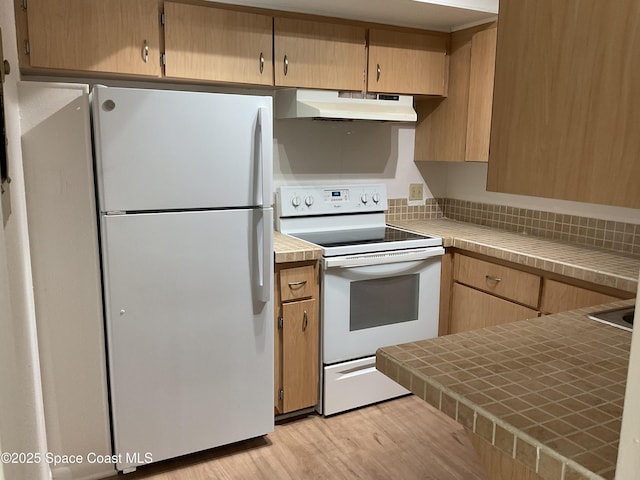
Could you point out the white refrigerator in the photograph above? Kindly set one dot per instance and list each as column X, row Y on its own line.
column 184, row 192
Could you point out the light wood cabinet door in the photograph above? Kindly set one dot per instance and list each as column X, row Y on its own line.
column 472, row 309
column 320, row 55
column 115, row 36
column 457, row 128
column 300, row 337
column 406, row 62
column 481, row 77
column 566, row 105
column 216, row 44
column 561, row 297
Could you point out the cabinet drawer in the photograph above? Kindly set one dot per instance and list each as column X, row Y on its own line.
column 297, row 283
column 521, row 287
column 560, row 297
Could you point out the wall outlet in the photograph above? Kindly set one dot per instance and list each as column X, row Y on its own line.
column 415, row 191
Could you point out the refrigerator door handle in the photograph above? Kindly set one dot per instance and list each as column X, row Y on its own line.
column 265, row 124
column 267, row 255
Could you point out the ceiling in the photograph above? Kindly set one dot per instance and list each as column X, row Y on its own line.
column 442, row 15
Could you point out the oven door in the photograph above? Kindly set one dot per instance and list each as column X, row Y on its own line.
column 375, row 300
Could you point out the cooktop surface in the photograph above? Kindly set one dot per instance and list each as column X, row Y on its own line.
column 339, row 238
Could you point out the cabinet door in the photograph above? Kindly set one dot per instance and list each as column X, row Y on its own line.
column 216, row 44
column 560, row 297
column 457, row 128
column 115, row 36
column 566, row 104
column 471, row 309
column 300, row 354
column 482, row 69
column 319, row 55
column 405, row 62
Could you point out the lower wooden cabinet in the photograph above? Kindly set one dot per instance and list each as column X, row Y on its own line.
column 297, row 336
column 480, row 292
column 560, row 297
column 299, row 355
column 473, row 309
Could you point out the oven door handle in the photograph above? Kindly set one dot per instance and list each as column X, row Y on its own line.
column 381, row 258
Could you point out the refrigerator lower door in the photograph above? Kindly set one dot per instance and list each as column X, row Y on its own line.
column 190, row 339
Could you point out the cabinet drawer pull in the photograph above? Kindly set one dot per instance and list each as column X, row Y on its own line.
column 378, row 72
column 297, row 284
column 261, row 63
column 305, row 321
column 492, row 278
column 286, row 65
column 145, row 52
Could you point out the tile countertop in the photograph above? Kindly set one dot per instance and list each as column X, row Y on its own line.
column 547, row 391
column 290, row 249
column 602, row 267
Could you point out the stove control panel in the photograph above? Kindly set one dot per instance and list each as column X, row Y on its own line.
column 331, row 199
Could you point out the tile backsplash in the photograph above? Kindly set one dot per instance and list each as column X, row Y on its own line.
column 616, row 236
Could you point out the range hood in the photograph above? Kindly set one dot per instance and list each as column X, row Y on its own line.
column 327, row 104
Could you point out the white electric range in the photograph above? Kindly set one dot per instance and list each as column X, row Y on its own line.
column 380, row 285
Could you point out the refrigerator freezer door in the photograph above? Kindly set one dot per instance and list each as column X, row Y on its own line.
column 171, row 150
column 190, row 341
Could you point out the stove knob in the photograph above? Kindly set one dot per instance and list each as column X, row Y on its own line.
column 364, row 198
column 375, row 197
column 308, row 201
column 295, row 201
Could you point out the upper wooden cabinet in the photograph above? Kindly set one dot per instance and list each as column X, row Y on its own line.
column 407, row 62
column 215, row 44
column 319, row 55
column 566, row 107
column 115, row 36
column 457, row 128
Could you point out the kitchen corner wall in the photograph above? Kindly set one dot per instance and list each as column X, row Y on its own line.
column 467, row 181
column 21, row 409
column 315, row 152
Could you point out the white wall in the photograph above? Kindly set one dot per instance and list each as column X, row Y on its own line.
column 21, row 409
column 56, row 149
column 308, row 152
column 312, row 152
column 468, row 182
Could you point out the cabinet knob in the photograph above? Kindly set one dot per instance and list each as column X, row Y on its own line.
column 378, row 72
column 286, row 65
column 305, row 320
column 491, row 278
column 261, row 63
column 145, row 52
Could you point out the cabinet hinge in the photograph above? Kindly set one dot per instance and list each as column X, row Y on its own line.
column 162, row 18
column 163, row 59
column 281, row 394
column 280, row 323
column 23, row 4
column 27, row 47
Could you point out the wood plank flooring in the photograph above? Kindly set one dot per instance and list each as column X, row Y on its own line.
column 403, row 439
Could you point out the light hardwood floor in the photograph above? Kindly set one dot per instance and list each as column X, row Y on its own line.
column 399, row 439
